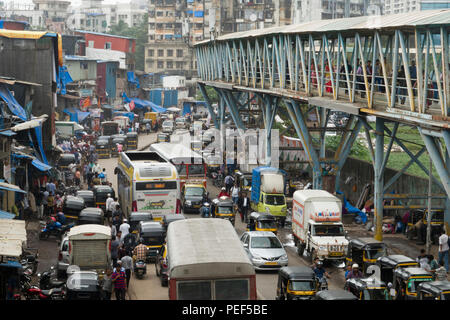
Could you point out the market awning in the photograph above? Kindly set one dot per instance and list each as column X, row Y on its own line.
column 11, row 264
column 10, row 187
column 40, row 165
column 6, row 215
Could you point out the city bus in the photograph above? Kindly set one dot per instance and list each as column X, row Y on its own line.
column 147, row 183
column 206, row 261
column 190, row 165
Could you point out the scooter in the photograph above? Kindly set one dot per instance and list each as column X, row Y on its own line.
column 140, row 268
column 56, row 229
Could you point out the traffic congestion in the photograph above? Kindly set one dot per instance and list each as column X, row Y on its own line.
column 139, row 214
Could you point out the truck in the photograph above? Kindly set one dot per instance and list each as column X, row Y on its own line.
column 268, row 192
column 89, row 247
column 122, row 121
column 110, row 128
column 67, row 129
column 317, row 225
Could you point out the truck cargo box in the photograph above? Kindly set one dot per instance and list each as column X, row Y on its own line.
column 257, row 181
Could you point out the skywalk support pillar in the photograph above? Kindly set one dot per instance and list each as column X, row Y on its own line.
column 379, row 178
column 270, row 106
column 208, row 105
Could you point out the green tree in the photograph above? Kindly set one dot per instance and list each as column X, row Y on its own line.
column 212, row 94
column 139, row 32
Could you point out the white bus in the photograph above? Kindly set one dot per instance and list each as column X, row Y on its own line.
column 190, row 165
column 208, row 262
column 147, row 183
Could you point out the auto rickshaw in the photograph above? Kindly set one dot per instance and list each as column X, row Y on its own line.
column 261, row 221
column 153, row 235
column 136, row 217
column 243, row 180
column 437, row 223
column 433, row 290
column 101, row 194
column 115, row 142
column 132, row 140
column 223, row 208
column 388, row 264
column 102, row 148
column 162, row 137
column 83, row 285
column 72, row 206
column 365, row 252
column 169, row 218
column 406, row 281
column 334, row 294
column 367, row 289
column 91, row 215
column 88, row 197
column 296, row 283
column 65, row 160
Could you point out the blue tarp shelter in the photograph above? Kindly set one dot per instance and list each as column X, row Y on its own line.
column 132, row 78
column 77, row 115
column 143, row 104
column 352, row 209
column 6, row 215
column 64, row 79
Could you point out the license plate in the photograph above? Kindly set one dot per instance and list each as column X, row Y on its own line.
column 196, row 206
column 335, row 254
column 271, row 263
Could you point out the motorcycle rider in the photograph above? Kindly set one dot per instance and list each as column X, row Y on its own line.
column 140, row 251
column 321, row 273
column 205, row 210
column 223, row 193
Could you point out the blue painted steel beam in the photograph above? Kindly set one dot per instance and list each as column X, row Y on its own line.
column 379, row 179
column 208, row 105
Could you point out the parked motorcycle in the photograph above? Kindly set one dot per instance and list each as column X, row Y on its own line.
column 30, row 260
column 47, row 280
column 32, row 292
column 140, row 269
column 56, row 229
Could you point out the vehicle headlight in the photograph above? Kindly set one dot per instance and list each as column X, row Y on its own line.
column 188, row 202
column 284, row 257
column 322, row 248
column 267, row 209
column 283, row 209
column 256, row 257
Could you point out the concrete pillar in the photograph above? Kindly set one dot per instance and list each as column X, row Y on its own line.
column 379, row 179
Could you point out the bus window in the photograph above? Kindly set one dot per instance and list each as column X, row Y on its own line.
column 232, row 289
column 194, row 290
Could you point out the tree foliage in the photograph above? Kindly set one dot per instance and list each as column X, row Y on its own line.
column 212, row 94
column 139, row 32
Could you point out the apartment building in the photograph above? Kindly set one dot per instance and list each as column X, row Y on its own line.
column 401, row 6
column 310, row 10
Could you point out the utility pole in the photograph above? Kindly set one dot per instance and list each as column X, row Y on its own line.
column 428, row 245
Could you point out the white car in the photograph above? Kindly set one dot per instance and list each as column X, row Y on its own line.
column 167, row 126
column 264, row 249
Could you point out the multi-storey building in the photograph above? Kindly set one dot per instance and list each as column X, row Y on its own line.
column 310, row 10
column 401, row 6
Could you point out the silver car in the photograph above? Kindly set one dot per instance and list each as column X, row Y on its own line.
column 264, row 250
column 167, row 126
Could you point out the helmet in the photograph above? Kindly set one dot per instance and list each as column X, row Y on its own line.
column 355, row 265
column 109, row 194
column 223, row 189
column 319, row 263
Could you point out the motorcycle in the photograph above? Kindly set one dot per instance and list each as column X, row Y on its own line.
column 30, row 260
column 323, row 283
column 56, row 229
column 47, row 281
column 140, row 269
column 32, row 292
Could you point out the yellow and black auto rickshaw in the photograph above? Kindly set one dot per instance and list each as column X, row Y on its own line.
column 244, row 180
column 223, row 208
column 261, row 221
column 102, row 147
column 365, row 252
column 368, row 289
column 132, row 141
column 296, row 283
column 433, row 290
column 437, row 223
column 136, row 217
column 153, row 236
column 388, row 265
column 407, row 280
column 101, row 194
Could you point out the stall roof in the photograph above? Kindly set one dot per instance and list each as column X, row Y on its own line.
column 6, row 215
column 10, row 187
column 40, row 165
column 7, row 133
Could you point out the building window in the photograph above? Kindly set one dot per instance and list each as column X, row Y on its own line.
column 84, row 65
column 179, row 65
column 160, row 64
column 91, row 44
column 160, row 52
column 169, row 65
column 159, row 13
column 150, row 64
column 179, row 53
column 170, row 53
column 151, row 52
column 108, row 45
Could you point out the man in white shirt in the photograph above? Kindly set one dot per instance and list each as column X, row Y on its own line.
column 235, row 194
column 443, row 249
column 124, row 228
column 108, row 207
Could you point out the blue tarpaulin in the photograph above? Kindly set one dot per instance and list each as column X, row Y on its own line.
column 142, row 104
column 352, row 209
column 11, row 264
column 40, row 165
column 63, row 79
column 38, row 132
column 7, row 133
column 186, row 108
column 132, row 78
column 198, row 14
column 12, row 103
column 77, row 115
